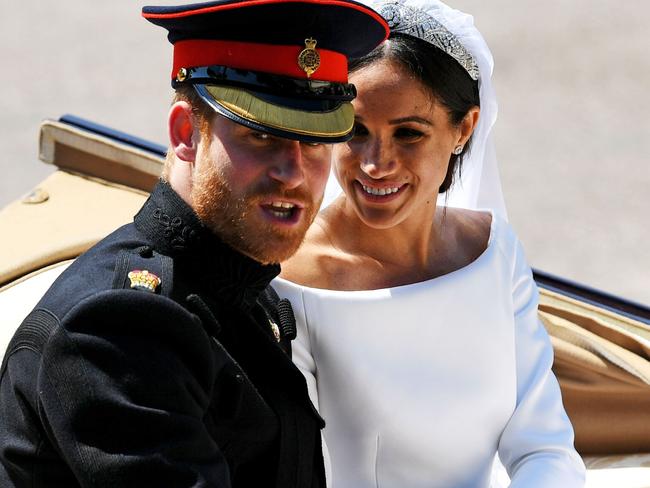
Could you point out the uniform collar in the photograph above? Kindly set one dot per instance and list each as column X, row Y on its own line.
column 174, row 229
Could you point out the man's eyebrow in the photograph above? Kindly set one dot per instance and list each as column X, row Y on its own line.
column 412, row 118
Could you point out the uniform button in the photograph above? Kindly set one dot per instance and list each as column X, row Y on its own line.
column 181, row 75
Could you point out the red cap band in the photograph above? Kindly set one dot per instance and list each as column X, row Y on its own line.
column 266, row 58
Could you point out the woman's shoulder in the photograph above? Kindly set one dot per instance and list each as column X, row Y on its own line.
column 481, row 229
column 503, row 240
column 471, row 225
column 468, row 233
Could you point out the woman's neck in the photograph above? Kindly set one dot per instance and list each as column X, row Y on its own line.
column 412, row 244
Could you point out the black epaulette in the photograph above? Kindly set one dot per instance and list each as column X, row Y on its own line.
column 144, row 269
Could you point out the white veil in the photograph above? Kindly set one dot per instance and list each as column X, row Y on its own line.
column 479, row 184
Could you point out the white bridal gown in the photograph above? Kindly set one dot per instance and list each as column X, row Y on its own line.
column 421, row 385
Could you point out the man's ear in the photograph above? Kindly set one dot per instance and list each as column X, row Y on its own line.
column 183, row 132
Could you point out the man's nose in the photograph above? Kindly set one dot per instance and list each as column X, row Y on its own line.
column 378, row 160
column 288, row 167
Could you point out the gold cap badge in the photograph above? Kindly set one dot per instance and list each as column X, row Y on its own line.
column 143, row 280
column 309, row 59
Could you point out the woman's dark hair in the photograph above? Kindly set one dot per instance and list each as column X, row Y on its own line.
column 446, row 79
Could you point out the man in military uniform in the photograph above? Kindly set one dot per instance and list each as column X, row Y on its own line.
column 157, row 358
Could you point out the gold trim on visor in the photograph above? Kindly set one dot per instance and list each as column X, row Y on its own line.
column 336, row 123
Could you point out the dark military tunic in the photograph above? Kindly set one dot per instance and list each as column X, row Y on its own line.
column 108, row 386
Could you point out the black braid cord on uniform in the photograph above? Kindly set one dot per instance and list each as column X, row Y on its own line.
column 287, row 319
column 284, row 312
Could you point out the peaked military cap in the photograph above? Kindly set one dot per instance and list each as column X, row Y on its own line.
column 277, row 66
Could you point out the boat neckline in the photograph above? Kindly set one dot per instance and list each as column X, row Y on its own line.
column 475, row 262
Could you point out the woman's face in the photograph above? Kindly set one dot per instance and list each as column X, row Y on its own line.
column 393, row 167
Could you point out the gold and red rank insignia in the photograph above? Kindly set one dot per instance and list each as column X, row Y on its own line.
column 309, row 59
column 144, row 280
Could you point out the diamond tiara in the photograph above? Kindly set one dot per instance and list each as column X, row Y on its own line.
column 404, row 19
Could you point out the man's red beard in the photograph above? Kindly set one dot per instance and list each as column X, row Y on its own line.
column 236, row 220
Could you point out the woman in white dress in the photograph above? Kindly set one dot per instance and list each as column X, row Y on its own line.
column 417, row 321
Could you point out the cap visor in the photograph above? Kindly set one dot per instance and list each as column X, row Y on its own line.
column 326, row 126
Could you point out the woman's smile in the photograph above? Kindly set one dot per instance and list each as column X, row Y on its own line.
column 380, row 192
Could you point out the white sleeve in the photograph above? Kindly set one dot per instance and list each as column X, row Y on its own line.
column 536, row 447
column 301, row 353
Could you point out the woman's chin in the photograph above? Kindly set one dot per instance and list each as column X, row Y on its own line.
column 379, row 218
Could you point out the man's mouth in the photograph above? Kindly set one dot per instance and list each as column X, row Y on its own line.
column 283, row 211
